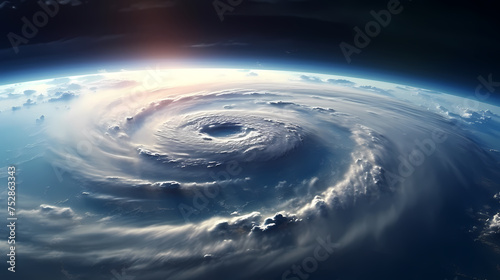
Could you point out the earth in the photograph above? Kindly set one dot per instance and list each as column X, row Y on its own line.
column 248, row 174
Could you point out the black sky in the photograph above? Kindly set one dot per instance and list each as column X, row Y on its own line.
column 446, row 43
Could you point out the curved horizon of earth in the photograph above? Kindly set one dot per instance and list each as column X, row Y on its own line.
column 256, row 174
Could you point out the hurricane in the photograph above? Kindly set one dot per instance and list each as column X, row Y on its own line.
column 201, row 173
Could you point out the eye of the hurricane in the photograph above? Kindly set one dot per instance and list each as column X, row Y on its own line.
column 204, row 138
column 222, row 130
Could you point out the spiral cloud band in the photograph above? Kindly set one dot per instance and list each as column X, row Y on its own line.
column 207, row 172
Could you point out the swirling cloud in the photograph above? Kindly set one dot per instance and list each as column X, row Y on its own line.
column 236, row 172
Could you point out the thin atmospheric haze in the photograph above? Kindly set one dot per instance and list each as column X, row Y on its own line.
column 249, row 139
